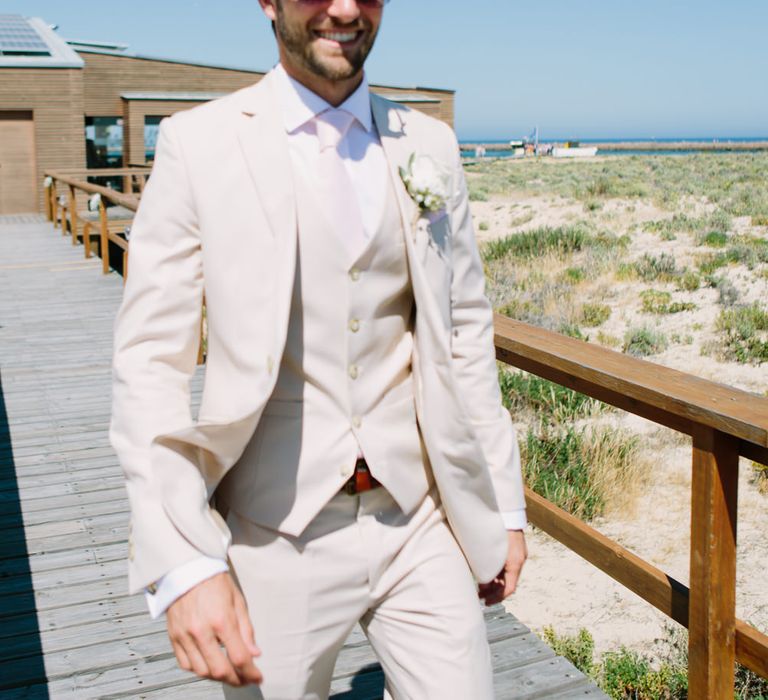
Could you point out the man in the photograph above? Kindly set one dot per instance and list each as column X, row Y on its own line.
column 351, row 460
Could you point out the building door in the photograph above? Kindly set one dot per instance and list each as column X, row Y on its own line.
column 17, row 163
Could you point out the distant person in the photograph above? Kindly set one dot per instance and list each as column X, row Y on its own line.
column 351, row 435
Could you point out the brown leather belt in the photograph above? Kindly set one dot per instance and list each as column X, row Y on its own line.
column 362, row 480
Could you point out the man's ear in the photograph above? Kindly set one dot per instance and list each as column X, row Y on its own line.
column 268, row 6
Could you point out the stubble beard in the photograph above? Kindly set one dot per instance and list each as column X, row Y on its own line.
column 299, row 43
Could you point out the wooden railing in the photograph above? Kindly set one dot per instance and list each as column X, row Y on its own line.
column 724, row 424
column 62, row 189
column 66, row 196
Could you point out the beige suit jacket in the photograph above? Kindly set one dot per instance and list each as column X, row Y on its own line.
column 219, row 214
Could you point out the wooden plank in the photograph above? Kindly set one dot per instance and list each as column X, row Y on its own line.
column 712, row 618
column 632, row 384
column 650, row 583
column 68, row 558
column 752, row 648
column 541, row 680
column 194, row 690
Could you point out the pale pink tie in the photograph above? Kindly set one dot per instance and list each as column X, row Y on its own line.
column 338, row 192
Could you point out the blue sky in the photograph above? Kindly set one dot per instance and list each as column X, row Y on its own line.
column 575, row 68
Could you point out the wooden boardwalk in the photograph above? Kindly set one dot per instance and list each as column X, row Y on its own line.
column 67, row 627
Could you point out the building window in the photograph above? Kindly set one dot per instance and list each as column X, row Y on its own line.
column 151, row 130
column 104, row 142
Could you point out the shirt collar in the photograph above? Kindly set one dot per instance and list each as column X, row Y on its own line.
column 300, row 105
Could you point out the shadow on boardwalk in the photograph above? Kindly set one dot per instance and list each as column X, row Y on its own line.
column 21, row 650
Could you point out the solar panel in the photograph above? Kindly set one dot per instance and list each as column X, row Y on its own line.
column 19, row 38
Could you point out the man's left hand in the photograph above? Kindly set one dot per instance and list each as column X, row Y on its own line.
column 505, row 583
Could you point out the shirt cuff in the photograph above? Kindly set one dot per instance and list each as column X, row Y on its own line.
column 180, row 580
column 515, row 519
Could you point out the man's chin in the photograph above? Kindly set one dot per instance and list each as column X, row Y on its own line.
column 336, row 69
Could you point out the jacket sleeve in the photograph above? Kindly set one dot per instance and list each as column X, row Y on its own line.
column 472, row 348
column 156, row 343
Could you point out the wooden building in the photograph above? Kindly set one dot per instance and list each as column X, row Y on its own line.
column 71, row 104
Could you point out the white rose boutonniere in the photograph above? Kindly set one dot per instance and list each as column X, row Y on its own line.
column 427, row 182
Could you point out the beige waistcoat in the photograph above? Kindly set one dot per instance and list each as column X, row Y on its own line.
column 345, row 383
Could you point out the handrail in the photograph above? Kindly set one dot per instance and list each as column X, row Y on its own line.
column 128, row 201
column 108, row 229
column 724, row 423
column 105, row 172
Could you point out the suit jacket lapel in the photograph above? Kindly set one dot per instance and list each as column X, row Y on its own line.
column 265, row 147
column 397, row 148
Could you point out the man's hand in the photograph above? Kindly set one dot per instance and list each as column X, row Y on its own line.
column 505, row 583
column 211, row 615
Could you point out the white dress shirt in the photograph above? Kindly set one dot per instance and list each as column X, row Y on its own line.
column 364, row 158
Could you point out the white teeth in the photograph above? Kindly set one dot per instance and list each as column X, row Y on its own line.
column 338, row 36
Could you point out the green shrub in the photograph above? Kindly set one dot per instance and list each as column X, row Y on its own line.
column 626, row 675
column 593, row 315
column 579, row 470
column 714, row 239
column 743, row 328
column 728, row 295
column 572, row 331
column 655, row 302
column 579, row 649
column 483, row 226
column 629, row 675
column 532, row 244
column 477, row 192
column 760, row 472
column 626, row 271
column 715, row 225
column 651, row 268
column 689, row 282
column 606, row 339
column 760, row 220
column 644, row 341
column 575, row 274
column 551, row 402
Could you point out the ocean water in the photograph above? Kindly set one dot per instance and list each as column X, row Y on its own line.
column 723, row 141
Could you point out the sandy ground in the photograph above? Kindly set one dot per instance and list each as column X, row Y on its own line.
column 560, row 589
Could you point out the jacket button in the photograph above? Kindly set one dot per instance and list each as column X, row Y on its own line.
column 354, row 274
column 346, row 471
column 356, row 421
column 354, row 325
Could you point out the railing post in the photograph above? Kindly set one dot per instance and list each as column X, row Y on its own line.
column 47, row 197
column 104, row 236
column 73, row 213
column 712, row 611
column 54, row 204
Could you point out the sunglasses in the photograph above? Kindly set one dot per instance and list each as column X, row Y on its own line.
column 363, row 3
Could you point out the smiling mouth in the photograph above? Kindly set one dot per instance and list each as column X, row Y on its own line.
column 339, row 37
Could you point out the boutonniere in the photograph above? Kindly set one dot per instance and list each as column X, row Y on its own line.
column 427, row 182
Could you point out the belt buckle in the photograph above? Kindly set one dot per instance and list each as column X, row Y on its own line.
column 357, row 483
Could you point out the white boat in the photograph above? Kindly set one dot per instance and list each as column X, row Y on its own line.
column 574, row 152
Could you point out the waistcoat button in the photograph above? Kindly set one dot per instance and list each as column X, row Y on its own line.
column 354, row 325
column 354, row 371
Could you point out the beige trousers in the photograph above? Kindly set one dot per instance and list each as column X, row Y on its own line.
column 403, row 577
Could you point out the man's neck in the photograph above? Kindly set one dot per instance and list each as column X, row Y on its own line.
column 334, row 92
